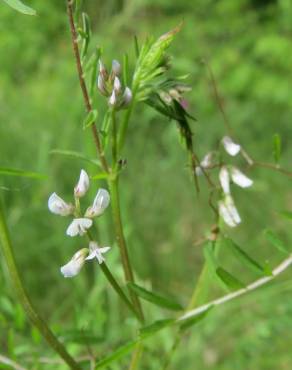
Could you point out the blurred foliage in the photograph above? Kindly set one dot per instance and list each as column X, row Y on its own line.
column 248, row 45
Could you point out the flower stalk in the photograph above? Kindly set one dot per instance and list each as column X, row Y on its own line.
column 24, row 299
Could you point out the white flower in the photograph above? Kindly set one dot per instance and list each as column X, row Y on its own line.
column 127, row 97
column 58, row 206
column 100, row 203
column 230, row 146
column 240, row 178
column 73, row 267
column 78, row 226
column 96, row 252
column 205, row 163
column 224, row 179
column 116, row 67
column 117, row 85
column 113, row 99
column 228, row 212
column 82, row 186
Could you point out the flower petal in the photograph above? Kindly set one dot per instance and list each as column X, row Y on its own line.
column 240, row 178
column 58, row 206
column 224, row 179
column 228, row 212
column 100, row 203
column 97, row 252
column 73, row 267
column 230, row 146
column 78, row 226
column 82, row 186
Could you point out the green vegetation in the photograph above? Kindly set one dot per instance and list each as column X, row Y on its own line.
column 247, row 44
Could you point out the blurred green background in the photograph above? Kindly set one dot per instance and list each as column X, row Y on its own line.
column 248, row 44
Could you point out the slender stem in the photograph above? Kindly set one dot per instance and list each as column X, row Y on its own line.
column 86, row 98
column 129, row 276
column 114, row 138
column 273, row 167
column 118, row 289
column 24, row 299
column 114, row 283
column 136, row 356
column 255, row 285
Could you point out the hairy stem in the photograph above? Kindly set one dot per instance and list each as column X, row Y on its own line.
column 121, row 241
column 87, row 102
column 24, row 299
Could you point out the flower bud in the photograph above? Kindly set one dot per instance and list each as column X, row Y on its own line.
column 58, row 206
column 231, row 148
column 101, row 85
column 73, row 267
column 102, row 70
column 116, row 68
column 78, row 226
column 82, row 186
column 117, row 86
column 113, row 99
column 100, row 203
column 127, row 97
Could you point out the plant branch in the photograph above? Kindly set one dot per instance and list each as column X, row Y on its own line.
column 253, row 286
column 24, row 299
column 121, row 241
column 250, row 161
column 86, row 98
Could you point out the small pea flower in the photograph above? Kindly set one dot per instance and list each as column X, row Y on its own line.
column 228, row 211
column 73, row 267
column 96, row 252
column 230, row 146
column 82, row 186
column 58, row 206
column 205, row 163
column 116, row 68
column 100, row 203
column 240, row 178
column 78, row 226
column 224, row 179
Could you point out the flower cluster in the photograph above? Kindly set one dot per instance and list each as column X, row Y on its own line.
column 227, row 209
column 80, row 224
column 109, row 85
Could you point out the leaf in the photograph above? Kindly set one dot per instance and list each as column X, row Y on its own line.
column 277, row 148
column 186, row 324
column 286, row 214
column 74, row 155
column 155, row 298
column 155, row 327
column 85, row 34
column 100, row 176
column 244, row 257
column 275, row 241
column 117, row 354
column 229, row 280
column 6, row 171
column 81, row 337
column 90, row 119
column 209, row 255
column 20, row 7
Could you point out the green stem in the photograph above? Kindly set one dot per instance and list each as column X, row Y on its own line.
column 118, row 289
column 24, row 299
column 129, row 276
column 136, row 356
column 115, row 284
column 125, row 122
column 114, row 138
